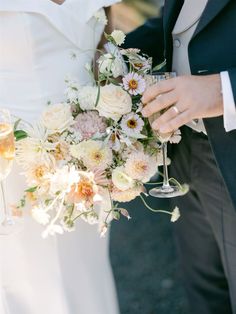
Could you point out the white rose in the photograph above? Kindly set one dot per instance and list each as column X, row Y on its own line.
column 87, row 97
column 118, row 36
column 113, row 102
column 57, row 118
column 121, row 180
column 111, row 65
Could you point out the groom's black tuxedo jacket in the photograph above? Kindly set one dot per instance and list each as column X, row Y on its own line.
column 212, row 49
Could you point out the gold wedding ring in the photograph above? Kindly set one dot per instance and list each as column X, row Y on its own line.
column 176, row 110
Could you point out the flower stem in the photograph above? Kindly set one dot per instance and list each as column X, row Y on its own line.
column 85, row 213
column 58, row 211
column 153, row 209
column 176, row 183
column 109, row 213
column 153, row 183
column 52, row 204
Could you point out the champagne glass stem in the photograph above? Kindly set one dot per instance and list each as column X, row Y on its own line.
column 7, row 215
column 165, row 170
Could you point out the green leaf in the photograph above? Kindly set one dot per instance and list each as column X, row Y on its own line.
column 31, row 190
column 159, row 66
column 20, row 134
column 22, row 202
column 16, row 124
column 98, row 95
column 116, row 215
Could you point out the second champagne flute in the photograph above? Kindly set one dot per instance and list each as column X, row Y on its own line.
column 9, row 224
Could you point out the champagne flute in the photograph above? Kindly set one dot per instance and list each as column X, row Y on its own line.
column 7, row 154
column 166, row 190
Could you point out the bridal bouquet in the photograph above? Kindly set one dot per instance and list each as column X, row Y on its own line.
column 94, row 151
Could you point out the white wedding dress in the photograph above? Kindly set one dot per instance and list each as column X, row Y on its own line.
column 69, row 274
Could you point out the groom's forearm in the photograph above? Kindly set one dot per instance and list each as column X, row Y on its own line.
column 149, row 38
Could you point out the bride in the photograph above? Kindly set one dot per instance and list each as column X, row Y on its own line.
column 41, row 43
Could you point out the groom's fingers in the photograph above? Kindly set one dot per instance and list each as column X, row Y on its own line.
column 176, row 122
column 164, row 118
column 161, row 102
column 160, row 88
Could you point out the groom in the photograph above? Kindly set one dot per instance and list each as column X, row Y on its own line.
column 197, row 38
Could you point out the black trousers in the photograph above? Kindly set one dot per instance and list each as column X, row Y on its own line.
column 206, row 231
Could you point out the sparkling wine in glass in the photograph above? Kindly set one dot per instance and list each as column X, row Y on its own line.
column 7, row 154
column 166, row 190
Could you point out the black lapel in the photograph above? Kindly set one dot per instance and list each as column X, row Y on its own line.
column 170, row 15
column 213, row 7
column 171, row 12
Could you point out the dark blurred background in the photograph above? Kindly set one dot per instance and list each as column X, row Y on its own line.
column 142, row 250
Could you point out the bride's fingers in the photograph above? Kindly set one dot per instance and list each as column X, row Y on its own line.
column 175, row 123
column 161, row 102
column 160, row 88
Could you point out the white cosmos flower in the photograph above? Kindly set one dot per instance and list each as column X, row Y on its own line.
column 93, row 154
column 132, row 124
column 122, row 180
column 134, row 83
column 141, row 166
column 40, row 216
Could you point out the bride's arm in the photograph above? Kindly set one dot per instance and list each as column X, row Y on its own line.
column 108, row 28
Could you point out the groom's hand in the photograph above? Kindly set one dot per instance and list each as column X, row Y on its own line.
column 184, row 98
